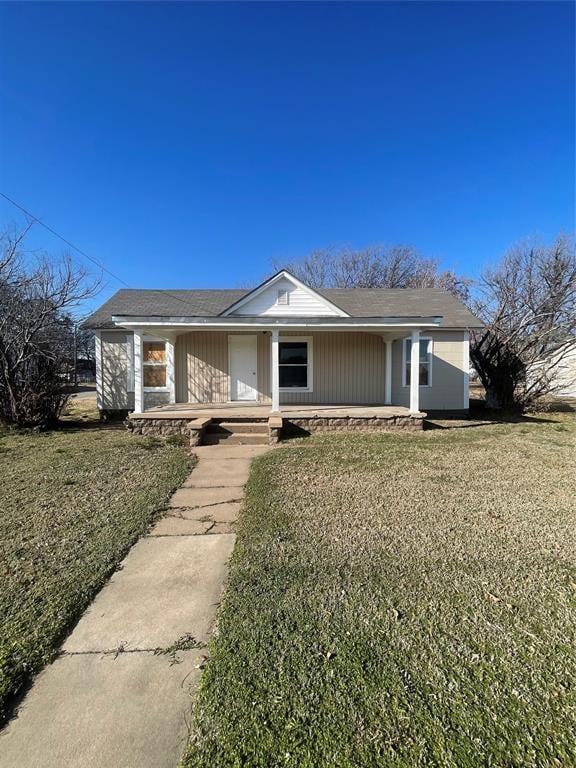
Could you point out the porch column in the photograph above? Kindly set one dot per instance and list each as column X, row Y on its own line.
column 170, row 371
column 388, row 374
column 275, row 378
column 138, row 374
column 415, row 373
column 99, row 388
column 466, row 369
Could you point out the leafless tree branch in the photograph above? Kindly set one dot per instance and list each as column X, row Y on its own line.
column 37, row 299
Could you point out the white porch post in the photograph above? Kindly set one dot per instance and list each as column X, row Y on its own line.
column 415, row 373
column 138, row 374
column 388, row 374
column 275, row 377
column 466, row 369
column 170, row 371
column 99, row 388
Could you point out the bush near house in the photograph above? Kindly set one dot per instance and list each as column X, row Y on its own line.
column 400, row 600
column 72, row 502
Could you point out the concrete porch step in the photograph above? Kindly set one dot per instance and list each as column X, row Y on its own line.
column 235, row 427
column 236, row 438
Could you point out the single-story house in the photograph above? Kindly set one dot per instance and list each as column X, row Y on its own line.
column 283, row 344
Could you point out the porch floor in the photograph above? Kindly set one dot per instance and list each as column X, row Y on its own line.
column 262, row 411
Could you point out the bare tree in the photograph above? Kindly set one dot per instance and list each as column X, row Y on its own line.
column 375, row 266
column 37, row 295
column 529, row 306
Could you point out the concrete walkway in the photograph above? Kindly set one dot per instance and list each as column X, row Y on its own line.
column 118, row 696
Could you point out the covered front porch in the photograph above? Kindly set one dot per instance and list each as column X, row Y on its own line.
column 258, row 365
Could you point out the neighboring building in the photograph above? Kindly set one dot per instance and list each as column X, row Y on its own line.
column 561, row 368
column 565, row 380
column 283, row 343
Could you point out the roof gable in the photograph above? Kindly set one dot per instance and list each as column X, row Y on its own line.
column 283, row 295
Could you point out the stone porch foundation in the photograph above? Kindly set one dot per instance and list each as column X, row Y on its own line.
column 279, row 427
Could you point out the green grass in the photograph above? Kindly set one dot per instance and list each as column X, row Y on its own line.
column 400, row 600
column 72, row 502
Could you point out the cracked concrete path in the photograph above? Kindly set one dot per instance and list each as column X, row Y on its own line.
column 119, row 696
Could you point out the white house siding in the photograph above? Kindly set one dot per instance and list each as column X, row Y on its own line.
column 301, row 303
column 565, row 379
column 447, row 390
column 114, row 371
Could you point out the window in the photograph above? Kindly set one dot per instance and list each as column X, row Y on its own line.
column 282, row 297
column 425, row 366
column 154, row 363
column 295, row 364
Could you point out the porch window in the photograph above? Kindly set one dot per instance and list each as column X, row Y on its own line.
column 154, row 364
column 425, row 366
column 295, row 364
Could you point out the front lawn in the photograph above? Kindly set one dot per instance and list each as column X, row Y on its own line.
column 401, row 600
column 72, row 502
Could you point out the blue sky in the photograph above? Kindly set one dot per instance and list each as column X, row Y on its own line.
column 189, row 144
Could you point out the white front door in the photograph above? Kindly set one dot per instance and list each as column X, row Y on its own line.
column 243, row 361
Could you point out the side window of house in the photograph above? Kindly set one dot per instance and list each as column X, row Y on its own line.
column 425, row 365
column 154, row 363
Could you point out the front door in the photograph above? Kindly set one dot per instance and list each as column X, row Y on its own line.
column 243, row 360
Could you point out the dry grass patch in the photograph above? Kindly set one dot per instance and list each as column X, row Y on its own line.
column 72, row 502
column 401, row 600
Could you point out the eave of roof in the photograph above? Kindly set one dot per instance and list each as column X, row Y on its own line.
column 142, row 321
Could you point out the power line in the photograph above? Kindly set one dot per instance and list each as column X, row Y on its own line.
column 83, row 253
column 64, row 240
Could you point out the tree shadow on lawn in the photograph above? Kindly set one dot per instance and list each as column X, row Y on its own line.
column 481, row 416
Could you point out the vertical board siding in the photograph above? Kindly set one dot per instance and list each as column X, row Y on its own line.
column 114, row 371
column 348, row 369
column 202, row 367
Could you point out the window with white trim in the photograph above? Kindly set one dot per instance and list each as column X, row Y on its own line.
column 295, row 364
column 154, row 364
column 425, row 364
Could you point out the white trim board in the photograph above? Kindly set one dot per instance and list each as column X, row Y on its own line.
column 466, row 369
column 309, row 365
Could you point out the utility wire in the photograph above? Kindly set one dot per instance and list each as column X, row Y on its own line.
column 83, row 253
column 64, row 240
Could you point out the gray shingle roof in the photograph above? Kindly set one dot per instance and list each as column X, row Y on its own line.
column 403, row 302
column 357, row 302
column 162, row 303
